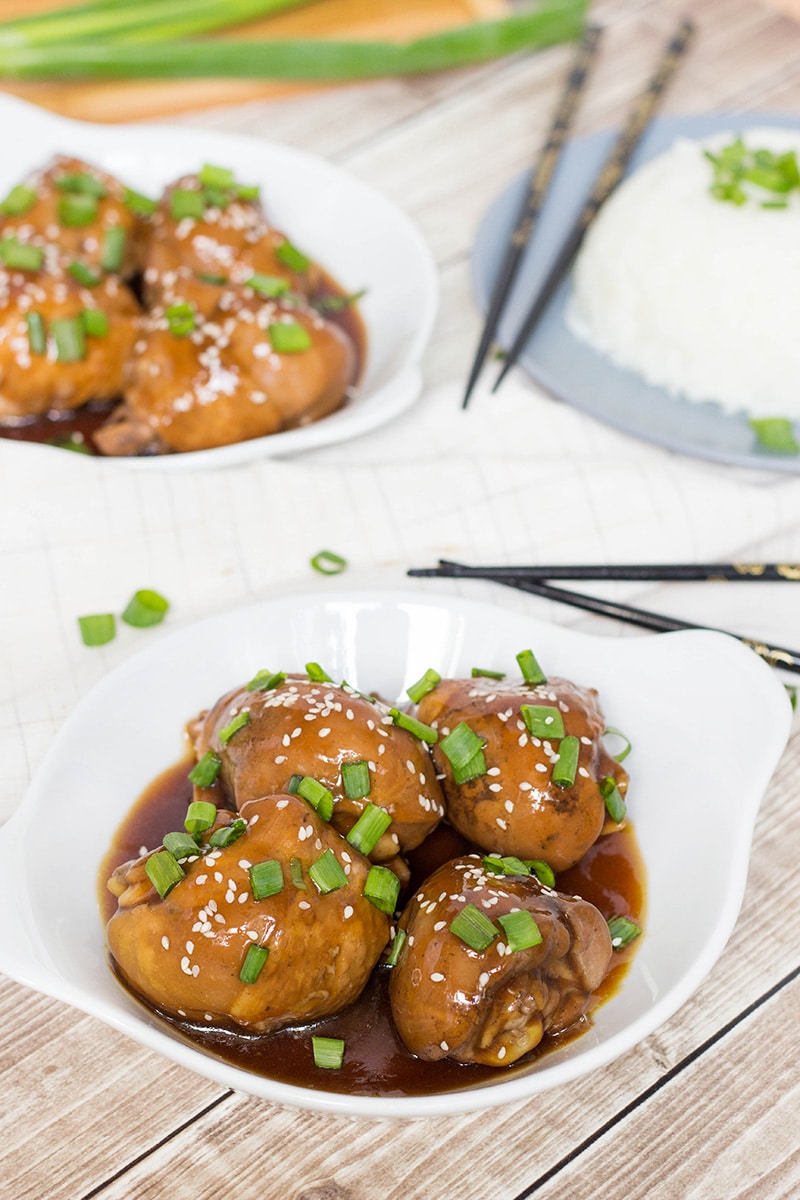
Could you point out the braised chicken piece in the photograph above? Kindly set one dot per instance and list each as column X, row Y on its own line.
column 92, row 217
column 62, row 342
column 206, row 236
column 521, row 799
column 191, row 953
column 451, row 999
column 315, row 730
column 253, row 367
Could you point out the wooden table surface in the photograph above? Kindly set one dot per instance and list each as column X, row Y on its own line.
column 708, row 1107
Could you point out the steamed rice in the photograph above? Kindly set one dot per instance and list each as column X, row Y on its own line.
column 698, row 296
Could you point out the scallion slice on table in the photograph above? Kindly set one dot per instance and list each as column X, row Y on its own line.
column 145, row 608
column 327, row 562
column 206, row 772
column 473, row 928
column 775, row 434
column 253, row 963
column 328, row 1052
column 382, row 888
column 369, row 828
column 163, row 871
column 97, row 629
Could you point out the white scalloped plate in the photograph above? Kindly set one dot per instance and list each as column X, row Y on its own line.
column 696, row 785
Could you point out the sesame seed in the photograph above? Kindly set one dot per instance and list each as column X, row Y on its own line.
column 282, row 804
column 218, row 876
column 165, row 942
column 304, row 904
column 190, row 947
column 348, row 912
column 437, row 977
column 200, row 878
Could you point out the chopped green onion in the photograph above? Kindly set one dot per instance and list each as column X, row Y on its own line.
column 266, row 879
column 112, row 251
column 200, row 815
column 180, row 319
column 74, row 442
column 94, row 322
column 791, row 692
column 328, row 1052
column 369, row 828
column 316, row 674
column 184, row 203
column 531, row 671
column 292, row 258
column 494, row 864
column 97, row 629
column 461, row 745
column 163, row 871
column 288, row 337
column 424, row 684
column 615, row 805
column 139, row 204
column 145, row 608
column 472, row 927
column 216, row 198
column 425, row 733
column 337, row 303
column 248, row 191
column 20, row 256
column 239, row 721
column 253, row 962
column 37, row 336
column 328, row 563
column 327, row 873
column 205, row 774
column 19, row 200
column 265, row 681
column 623, row 931
column 543, row 720
column 209, row 277
column 81, row 183
column 216, row 177
column 475, row 768
column 356, row 779
column 69, row 338
column 382, row 888
column 226, row 835
column 566, row 765
column 77, row 209
column 397, row 946
column 84, row 275
column 268, row 285
column 775, row 434
column 625, row 751
column 542, row 870
column 481, row 672
column 180, row 845
column 520, row 929
column 317, row 796
column 296, row 874
column 294, row 784
column 514, row 866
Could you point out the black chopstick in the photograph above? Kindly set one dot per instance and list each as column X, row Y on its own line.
column 643, row 572
column 775, row 656
column 534, row 196
column 608, row 179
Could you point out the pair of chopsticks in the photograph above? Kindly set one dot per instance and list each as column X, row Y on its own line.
column 535, row 580
column 605, row 183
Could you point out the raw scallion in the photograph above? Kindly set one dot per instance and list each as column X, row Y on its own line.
column 19, row 201
column 328, row 1052
column 543, row 720
column 37, row 335
column 542, row 870
column 328, row 563
column 163, row 871
column 239, row 721
column 426, row 683
column 356, row 779
column 472, row 927
column 337, row 303
column 288, row 337
column 520, row 929
column 317, row 796
column 76, row 209
column 294, row 784
column 265, row 681
column 296, row 874
column 180, row 845
column 382, row 888
column 205, row 773
column 425, row 733
column 253, row 962
column 200, row 816
column 180, row 319
column 615, row 805
column 70, row 339
column 566, row 765
column 81, row 183
column 186, row 203
column 112, row 250
column 139, row 204
column 216, row 177
column 95, row 323
column 97, row 629
column 369, row 828
column 84, row 275
column 531, row 671
column 145, row 608
column 464, row 751
column 266, row 879
column 397, row 946
column 612, row 731
column 268, row 285
column 316, row 674
column 292, row 258
column 623, row 931
column 328, row 873
column 775, row 434
column 226, row 835
column 19, row 256
column 482, row 673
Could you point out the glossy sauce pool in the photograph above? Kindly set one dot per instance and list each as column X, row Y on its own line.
column 610, row 875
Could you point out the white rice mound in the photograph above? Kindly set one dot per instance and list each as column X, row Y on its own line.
column 699, row 296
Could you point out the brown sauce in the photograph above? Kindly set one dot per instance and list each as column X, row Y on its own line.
column 74, row 429
column 611, row 875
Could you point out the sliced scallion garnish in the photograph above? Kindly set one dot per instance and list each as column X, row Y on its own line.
column 615, row 805
column 84, row 275
column 239, row 721
column 337, row 303
column 425, row 733
column 531, row 671
column 464, row 751
column 112, row 250
column 37, row 335
column 185, row 203
column 328, row 1052
column 472, row 927
column 494, row 864
column 513, row 865
column 205, row 773
column 180, row 319
column 20, row 256
column 543, row 720
column 253, row 962
column 19, row 200
column 265, row 681
column 369, row 828
column 292, row 258
column 288, row 337
column 316, row 674
column 327, row 873
column 317, row 796
column 216, row 177
column 81, row 183
column 211, row 277
column 97, row 628
column 139, row 204
column 294, row 784
column 610, row 730
column 145, row 608
column 775, row 434
column 397, row 946
column 266, row 878
column 268, row 285
column 296, row 874
column 623, row 931
column 180, row 845
column 163, row 871
column 226, row 835
column 520, row 929
column 76, row 209
column 94, row 322
column 542, row 870
column 426, row 683
column 565, row 767
column 356, row 779
column 328, row 563
column 200, row 815
column 483, row 673
column 382, row 889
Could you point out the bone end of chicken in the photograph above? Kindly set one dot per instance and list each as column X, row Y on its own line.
column 184, row 953
column 515, row 808
column 493, row 1006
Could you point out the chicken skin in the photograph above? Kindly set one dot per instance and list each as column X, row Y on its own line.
column 311, row 730
column 494, row 1005
column 87, row 212
column 185, row 954
column 515, row 806
column 253, row 367
column 62, row 342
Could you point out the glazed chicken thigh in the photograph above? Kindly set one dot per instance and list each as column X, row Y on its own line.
column 450, row 1000
column 186, row 953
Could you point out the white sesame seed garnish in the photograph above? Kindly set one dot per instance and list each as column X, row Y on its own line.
column 165, row 942
column 218, row 876
column 437, row 977
column 348, row 912
column 304, row 904
column 200, row 879
column 501, row 1053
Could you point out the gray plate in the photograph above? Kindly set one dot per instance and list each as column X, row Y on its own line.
column 571, row 370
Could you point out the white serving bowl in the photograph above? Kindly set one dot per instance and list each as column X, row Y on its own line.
column 696, row 783
column 358, row 235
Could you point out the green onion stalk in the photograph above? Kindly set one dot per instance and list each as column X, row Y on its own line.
column 306, row 60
